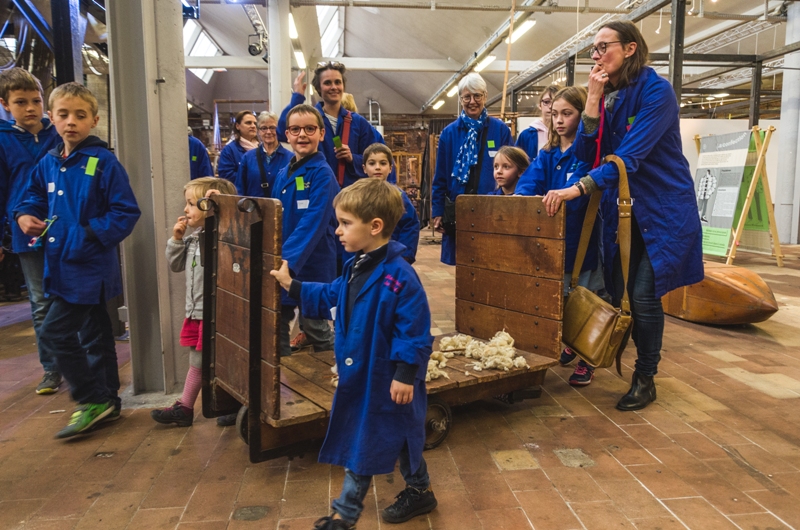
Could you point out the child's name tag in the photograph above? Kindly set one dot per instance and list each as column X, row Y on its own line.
column 492, row 153
column 333, row 314
column 569, row 175
column 302, row 205
column 51, row 187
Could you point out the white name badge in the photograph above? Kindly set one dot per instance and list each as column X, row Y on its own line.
column 333, row 314
column 51, row 187
column 302, row 205
column 569, row 176
column 492, row 153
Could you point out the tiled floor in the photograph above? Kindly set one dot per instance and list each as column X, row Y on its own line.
column 719, row 449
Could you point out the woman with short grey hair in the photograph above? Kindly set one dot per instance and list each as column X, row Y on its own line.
column 465, row 159
column 260, row 167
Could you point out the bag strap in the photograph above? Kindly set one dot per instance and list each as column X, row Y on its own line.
column 348, row 118
column 625, row 203
column 591, row 209
column 261, row 169
column 475, row 171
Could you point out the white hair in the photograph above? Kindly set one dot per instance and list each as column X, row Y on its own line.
column 472, row 82
column 266, row 115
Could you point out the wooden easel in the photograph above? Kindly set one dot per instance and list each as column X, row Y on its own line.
column 760, row 173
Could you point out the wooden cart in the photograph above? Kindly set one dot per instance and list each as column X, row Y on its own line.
column 509, row 275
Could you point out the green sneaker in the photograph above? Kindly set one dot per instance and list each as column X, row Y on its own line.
column 85, row 417
column 115, row 414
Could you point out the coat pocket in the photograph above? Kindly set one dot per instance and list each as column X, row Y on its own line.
column 380, row 398
column 79, row 248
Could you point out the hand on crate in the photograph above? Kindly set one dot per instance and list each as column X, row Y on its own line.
column 402, row 394
column 552, row 201
column 283, row 275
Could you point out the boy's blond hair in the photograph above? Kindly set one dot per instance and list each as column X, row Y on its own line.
column 73, row 90
column 305, row 109
column 18, row 79
column 369, row 199
column 199, row 187
column 376, row 148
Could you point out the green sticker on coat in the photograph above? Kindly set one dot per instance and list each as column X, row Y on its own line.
column 490, row 144
column 91, row 165
column 299, row 183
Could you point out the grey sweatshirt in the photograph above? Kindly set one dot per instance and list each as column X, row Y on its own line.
column 179, row 252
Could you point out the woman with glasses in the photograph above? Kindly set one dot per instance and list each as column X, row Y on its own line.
column 347, row 133
column 640, row 124
column 465, row 159
column 259, row 167
column 245, row 138
column 536, row 136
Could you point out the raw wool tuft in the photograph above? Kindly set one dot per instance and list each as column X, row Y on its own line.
column 457, row 342
column 435, row 369
column 335, row 378
column 497, row 354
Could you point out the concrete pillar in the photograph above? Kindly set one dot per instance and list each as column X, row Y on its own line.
column 787, row 189
column 280, row 56
column 148, row 93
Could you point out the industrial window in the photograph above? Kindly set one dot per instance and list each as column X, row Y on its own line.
column 200, row 44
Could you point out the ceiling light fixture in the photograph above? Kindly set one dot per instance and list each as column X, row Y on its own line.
column 452, row 91
column 292, row 28
column 525, row 26
column 300, row 58
column 489, row 59
column 438, row 104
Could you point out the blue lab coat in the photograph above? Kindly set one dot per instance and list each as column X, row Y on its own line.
column 554, row 170
column 248, row 179
column 390, row 323
column 528, row 141
column 199, row 163
column 361, row 136
column 19, row 153
column 445, row 184
column 95, row 208
column 644, row 131
column 229, row 159
column 406, row 232
column 309, row 221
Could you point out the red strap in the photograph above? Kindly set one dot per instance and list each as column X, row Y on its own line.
column 348, row 118
column 597, row 157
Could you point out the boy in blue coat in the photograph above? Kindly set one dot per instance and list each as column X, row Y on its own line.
column 306, row 188
column 80, row 206
column 23, row 142
column 383, row 345
column 378, row 164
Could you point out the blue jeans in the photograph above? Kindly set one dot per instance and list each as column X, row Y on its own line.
column 33, row 268
column 88, row 361
column 350, row 503
column 646, row 309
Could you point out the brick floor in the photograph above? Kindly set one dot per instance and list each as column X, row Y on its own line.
column 719, row 449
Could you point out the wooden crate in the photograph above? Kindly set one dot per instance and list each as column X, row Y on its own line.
column 510, row 271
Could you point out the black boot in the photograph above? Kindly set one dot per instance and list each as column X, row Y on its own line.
column 641, row 394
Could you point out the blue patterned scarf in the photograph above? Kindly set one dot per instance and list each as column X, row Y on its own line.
column 468, row 153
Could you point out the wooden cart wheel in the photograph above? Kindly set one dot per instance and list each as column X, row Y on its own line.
column 241, row 425
column 437, row 422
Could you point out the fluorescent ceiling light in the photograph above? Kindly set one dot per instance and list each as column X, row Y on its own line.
column 438, row 104
column 452, row 91
column 301, row 60
column 292, row 28
column 722, row 95
column 518, row 32
column 489, row 59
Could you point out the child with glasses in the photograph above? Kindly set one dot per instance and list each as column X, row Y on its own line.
column 534, row 138
column 306, row 188
column 260, row 167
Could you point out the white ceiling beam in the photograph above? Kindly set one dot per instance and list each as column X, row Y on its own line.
column 231, row 62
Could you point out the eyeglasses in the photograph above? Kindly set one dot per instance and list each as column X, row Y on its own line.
column 546, row 102
column 472, row 97
column 265, row 129
column 294, row 130
column 601, row 47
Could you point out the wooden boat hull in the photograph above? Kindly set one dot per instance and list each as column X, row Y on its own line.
column 727, row 295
